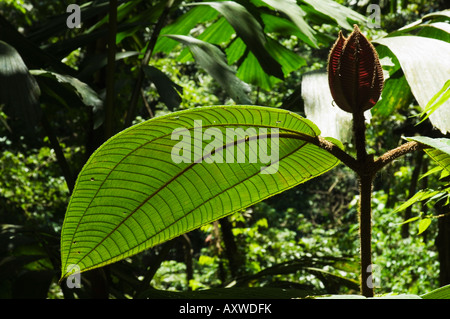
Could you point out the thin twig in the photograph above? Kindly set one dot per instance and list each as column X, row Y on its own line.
column 148, row 53
column 391, row 155
column 147, row 106
column 70, row 181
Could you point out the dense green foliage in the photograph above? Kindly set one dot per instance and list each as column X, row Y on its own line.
column 305, row 238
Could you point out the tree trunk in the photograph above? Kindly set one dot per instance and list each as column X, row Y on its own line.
column 443, row 246
column 234, row 257
column 412, row 190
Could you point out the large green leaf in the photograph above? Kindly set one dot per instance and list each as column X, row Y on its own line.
column 426, row 66
column 341, row 14
column 137, row 190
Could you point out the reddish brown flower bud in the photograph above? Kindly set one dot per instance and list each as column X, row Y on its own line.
column 355, row 75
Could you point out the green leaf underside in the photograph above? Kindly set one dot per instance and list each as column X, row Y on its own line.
column 440, row 293
column 131, row 195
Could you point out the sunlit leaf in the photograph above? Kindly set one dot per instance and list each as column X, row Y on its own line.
column 250, row 31
column 295, row 13
column 438, row 99
column 213, row 60
column 341, row 14
column 426, row 66
column 419, row 196
column 183, row 25
column 423, row 225
column 142, row 188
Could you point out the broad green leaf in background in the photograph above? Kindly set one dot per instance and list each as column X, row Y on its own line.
column 341, row 14
column 250, row 71
column 85, row 93
column 96, row 62
column 168, row 91
column 396, row 95
column 183, row 25
column 426, row 66
column 295, row 13
column 436, row 30
column 319, row 107
column 69, row 91
column 250, row 31
column 430, row 25
column 132, row 193
column 19, row 91
column 220, row 33
column 213, row 60
column 289, row 60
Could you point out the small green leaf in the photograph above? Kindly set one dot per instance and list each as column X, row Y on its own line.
column 431, row 171
column 419, row 196
column 410, row 220
column 438, row 99
column 183, row 25
column 423, row 225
